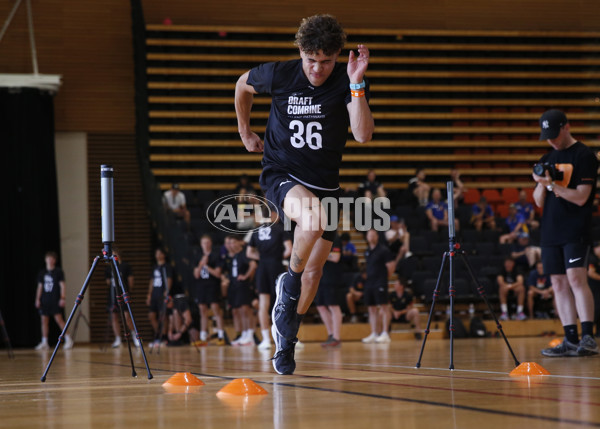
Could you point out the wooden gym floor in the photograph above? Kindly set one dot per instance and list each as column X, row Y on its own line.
column 355, row 386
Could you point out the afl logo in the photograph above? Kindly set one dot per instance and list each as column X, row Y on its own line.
column 239, row 214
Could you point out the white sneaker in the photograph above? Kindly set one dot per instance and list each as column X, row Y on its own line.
column 384, row 338
column 136, row 342
column 247, row 339
column 68, row 342
column 370, row 339
column 42, row 346
column 116, row 343
column 265, row 344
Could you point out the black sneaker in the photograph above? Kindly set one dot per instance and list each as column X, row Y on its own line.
column 283, row 315
column 564, row 349
column 587, row 346
column 283, row 359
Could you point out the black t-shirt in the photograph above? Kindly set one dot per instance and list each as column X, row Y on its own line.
column 367, row 185
column 239, row 266
column 124, row 270
column 400, row 303
column 308, row 126
column 206, row 279
column 50, row 280
column 333, row 271
column 510, row 276
column 376, row 258
column 268, row 240
column 160, row 275
column 564, row 222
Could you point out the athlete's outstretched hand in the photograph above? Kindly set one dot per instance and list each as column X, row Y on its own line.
column 357, row 66
column 252, row 142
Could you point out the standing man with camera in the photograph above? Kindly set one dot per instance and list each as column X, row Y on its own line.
column 566, row 185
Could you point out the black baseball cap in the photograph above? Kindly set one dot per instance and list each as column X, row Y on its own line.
column 551, row 122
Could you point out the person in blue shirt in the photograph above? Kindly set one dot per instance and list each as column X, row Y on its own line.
column 483, row 215
column 526, row 209
column 437, row 211
column 514, row 225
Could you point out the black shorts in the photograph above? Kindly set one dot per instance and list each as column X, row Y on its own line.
column 558, row 259
column 50, row 309
column 326, row 294
column 157, row 303
column 266, row 275
column 112, row 302
column 239, row 295
column 208, row 294
column 181, row 304
column 374, row 295
column 276, row 184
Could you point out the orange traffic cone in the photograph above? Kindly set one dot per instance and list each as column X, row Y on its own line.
column 242, row 387
column 183, row 382
column 529, row 369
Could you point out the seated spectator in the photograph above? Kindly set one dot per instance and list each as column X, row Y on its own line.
column 244, row 186
column 418, row 190
column 510, row 280
column 538, row 288
column 524, row 254
column 174, row 201
column 403, row 309
column 483, row 215
column 348, row 260
column 371, row 188
column 459, row 186
column 437, row 211
column 355, row 294
column 398, row 238
column 526, row 209
column 514, row 225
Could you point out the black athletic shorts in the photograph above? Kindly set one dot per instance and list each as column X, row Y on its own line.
column 326, row 294
column 208, row 294
column 276, row 184
column 239, row 295
column 558, row 259
column 157, row 303
column 266, row 275
column 50, row 309
column 375, row 295
column 180, row 303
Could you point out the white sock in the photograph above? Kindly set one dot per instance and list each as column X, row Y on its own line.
column 220, row 334
column 45, row 340
column 266, row 335
column 504, row 308
column 203, row 335
column 519, row 309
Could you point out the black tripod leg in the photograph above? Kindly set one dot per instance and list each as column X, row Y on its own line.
column 77, row 303
column 435, row 295
column 481, row 293
column 119, row 300
column 127, row 303
column 451, row 293
column 6, row 338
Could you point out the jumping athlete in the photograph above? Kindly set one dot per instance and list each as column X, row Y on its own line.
column 314, row 100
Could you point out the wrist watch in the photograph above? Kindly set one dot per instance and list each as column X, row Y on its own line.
column 550, row 187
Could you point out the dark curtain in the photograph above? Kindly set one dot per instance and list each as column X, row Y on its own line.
column 29, row 216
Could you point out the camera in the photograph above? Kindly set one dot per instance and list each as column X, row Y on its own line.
column 541, row 168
